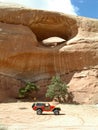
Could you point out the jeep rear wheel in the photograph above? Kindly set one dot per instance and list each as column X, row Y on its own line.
column 56, row 112
column 39, row 111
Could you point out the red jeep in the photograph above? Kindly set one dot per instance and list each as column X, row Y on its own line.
column 40, row 107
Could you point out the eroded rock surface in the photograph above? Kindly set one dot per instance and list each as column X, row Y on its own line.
column 23, row 56
column 84, row 86
column 9, row 88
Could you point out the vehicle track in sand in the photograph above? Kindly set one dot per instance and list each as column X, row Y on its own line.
column 20, row 116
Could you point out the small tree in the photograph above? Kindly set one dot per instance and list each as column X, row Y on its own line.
column 57, row 89
column 28, row 89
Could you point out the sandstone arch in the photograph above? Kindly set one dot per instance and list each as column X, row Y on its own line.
column 43, row 23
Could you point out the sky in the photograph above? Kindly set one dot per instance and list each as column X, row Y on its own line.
column 86, row 8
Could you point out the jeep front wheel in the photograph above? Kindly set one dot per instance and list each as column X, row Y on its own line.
column 39, row 111
column 56, row 112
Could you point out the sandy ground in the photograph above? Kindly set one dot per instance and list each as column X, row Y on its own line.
column 20, row 116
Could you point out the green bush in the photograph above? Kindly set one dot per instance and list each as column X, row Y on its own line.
column 28, row 89
column 57, row 89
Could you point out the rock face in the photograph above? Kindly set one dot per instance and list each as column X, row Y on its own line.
column 9, row 88
column 23, row 56
column 84, row 86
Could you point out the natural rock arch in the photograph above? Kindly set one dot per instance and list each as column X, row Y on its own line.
column 43, row 23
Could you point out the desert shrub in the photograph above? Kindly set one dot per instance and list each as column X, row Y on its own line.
column 57, row 89
column 28, row 89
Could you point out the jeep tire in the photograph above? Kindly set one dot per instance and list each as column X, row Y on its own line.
column 39, row 112
column 56, row 112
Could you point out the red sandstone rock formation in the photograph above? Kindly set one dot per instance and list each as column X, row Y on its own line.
column 9, row 88
column 22, row 56
column 84, row 86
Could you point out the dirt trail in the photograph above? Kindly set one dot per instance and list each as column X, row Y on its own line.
column 20, row 116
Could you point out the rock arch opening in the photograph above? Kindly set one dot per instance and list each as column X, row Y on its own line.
column 62, row 26
column 53, row 41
